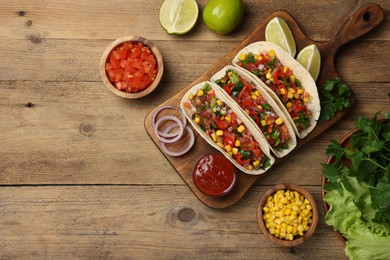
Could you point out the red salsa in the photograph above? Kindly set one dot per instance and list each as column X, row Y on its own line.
column 214, row 174
column 131, row 67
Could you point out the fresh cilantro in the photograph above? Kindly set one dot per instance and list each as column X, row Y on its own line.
column 334, row 97
column 250, row 58
column 366, row 161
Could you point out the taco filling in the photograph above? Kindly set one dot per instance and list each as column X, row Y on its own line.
column 251, row 100
column 219, row 122
column 281, row 80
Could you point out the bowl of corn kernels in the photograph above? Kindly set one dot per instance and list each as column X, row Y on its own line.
column 287, row 214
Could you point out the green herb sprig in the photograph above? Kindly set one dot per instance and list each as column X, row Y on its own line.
column 334, row 97
column 368, row 160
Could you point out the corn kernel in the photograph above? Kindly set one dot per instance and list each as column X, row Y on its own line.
column 256, row 163
column 282, row 91
column 237, row 143
column 200, row 93
column 214, row 137
column 292, row 78
column 289, row 104
column 257, row 57
column 220, row 144
column 219, row 133
column 191, row 96
column 242, row 56
column 279, row 121
column 254, row 96
column 197, row 120
column 300, row 91
column 271, row 53
column 218, row 102
column 285, row 69
column 234, row 150
column 268, row 75
column 241, row 129
column 257, row 93
column 263, row 122
column 260, row 107
column 250, row 167
column 228, row 119
column 228, row 148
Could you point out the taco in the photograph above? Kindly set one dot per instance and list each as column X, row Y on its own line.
column 288, row 82
column 259, row 106
column 223, row 125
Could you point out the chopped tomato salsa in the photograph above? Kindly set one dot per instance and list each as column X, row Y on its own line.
column 131, row 67
column 281, row 80
column 251, row 100
column 223, row 126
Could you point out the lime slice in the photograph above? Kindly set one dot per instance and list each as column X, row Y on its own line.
column 278, row 32
column 178, row 16
column 310, row 58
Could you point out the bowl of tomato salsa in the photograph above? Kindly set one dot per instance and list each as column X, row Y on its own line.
column 214, row 175
column 131, row 67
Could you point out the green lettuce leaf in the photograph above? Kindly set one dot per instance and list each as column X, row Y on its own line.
column 366, row 245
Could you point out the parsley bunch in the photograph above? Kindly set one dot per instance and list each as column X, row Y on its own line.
column 366, row 161
column 334, row 96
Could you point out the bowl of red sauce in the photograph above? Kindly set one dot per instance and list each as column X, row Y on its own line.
column 214, row 175
column 131, row 67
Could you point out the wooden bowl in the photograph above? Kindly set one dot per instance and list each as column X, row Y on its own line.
column 150, row 88
column 297, row 240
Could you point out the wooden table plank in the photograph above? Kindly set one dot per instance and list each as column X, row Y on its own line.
column 55, row 222
column 56, row 60
column 56, row 135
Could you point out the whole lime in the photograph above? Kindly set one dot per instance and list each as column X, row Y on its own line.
column 223, row 16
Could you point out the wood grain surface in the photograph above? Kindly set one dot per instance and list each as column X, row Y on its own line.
column 80, row 177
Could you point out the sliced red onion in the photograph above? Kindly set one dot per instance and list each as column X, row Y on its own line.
column 177, row 135
column 186, row 149
column 163, row 134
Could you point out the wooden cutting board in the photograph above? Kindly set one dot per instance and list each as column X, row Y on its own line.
column 361, row 22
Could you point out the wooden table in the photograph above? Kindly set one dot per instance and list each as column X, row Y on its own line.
column 79, row 176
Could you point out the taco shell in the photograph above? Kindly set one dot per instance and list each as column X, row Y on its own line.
column 300, row 73
column 263, row 145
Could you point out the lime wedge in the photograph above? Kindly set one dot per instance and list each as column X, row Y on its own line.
column 178, row 16
column 278, row 32
column 310, row 58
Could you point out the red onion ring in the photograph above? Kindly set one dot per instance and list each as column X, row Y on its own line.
column 186, row 149
column 163, row 134
column 177, row 135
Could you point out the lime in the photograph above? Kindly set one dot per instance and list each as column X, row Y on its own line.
column 178, row 16
column 223, row 16
column 278, row 32
column 310, row 58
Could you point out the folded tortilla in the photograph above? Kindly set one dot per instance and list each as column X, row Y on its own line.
column 300, row 73
column 189, row 110
column 274, row 108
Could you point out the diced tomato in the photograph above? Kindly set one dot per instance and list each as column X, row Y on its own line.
column 131, row 67
column 228, row 140
column 222, row 124
column 240, row 160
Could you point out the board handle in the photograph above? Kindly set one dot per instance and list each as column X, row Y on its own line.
column 361, row 22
